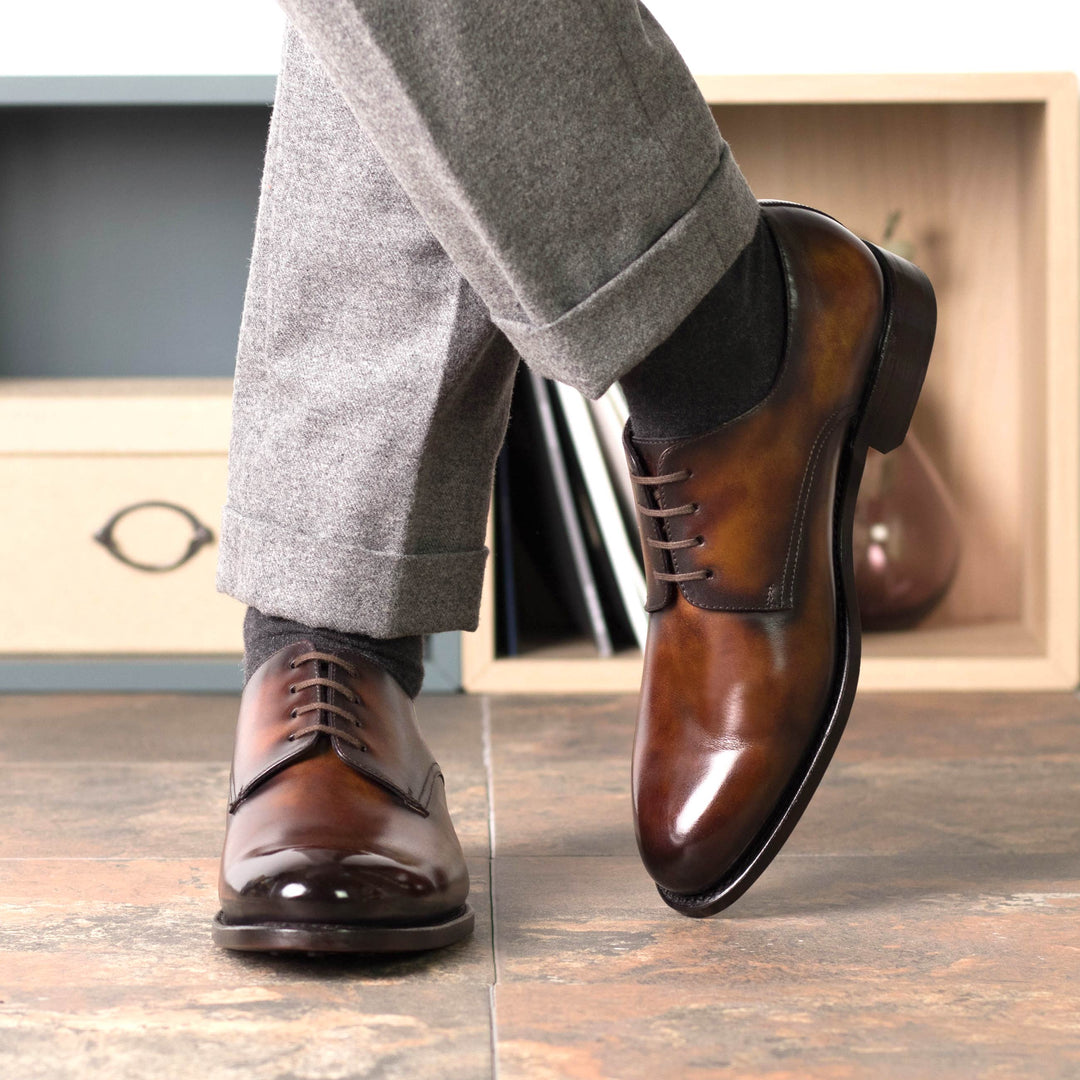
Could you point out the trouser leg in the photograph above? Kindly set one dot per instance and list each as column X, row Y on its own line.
column 371, row 391
column 562, row 155
column 444, row 177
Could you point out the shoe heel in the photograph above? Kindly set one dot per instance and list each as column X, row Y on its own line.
column 904, row 353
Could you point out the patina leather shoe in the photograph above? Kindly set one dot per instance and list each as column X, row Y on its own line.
column 754, row 641
column 338, row 838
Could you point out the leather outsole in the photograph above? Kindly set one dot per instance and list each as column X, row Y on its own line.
column 356, row 938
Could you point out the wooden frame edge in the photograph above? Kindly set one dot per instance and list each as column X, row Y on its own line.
column 478, row 646
column 884, row 88
column 1063, row 376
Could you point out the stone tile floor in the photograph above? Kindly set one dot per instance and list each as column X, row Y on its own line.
column 923, row 921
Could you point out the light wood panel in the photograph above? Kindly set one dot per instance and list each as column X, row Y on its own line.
column 968, row 224
column 102, row 416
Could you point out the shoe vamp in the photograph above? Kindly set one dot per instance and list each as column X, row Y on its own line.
column 319, row 812
column 732, row 704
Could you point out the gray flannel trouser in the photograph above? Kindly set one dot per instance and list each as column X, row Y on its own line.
column 449, row 185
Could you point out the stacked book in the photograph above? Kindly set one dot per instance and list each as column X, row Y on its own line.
column 567, row 550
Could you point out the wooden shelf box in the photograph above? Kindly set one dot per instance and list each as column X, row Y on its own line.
column 984, row 171
column 75, row 451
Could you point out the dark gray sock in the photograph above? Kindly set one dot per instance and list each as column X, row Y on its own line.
column 724, row 356
column 264, row 635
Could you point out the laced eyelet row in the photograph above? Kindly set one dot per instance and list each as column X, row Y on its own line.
column 326, row 706
column 685, row 510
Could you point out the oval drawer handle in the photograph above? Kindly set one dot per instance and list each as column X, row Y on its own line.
column 201, row 535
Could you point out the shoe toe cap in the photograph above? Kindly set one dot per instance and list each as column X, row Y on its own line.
column 694, row 824
column 318, row 885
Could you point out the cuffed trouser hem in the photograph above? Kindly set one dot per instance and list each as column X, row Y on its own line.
column 598, row 341
column 320, row 581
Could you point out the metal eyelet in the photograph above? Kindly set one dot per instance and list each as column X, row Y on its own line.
column 700, row 541
column 696, row 508
column 289, row 738
column 292, row 689
column 709, row 574
column 292, row 664
column 363, row 749
column 293, row 714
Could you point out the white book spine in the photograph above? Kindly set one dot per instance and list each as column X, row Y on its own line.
column 629, row 576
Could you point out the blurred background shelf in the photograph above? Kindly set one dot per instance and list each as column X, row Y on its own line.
column 127, row 209
column 984, row 171
column 127, row 213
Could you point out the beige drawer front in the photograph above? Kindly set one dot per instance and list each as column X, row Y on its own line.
column 63, row 592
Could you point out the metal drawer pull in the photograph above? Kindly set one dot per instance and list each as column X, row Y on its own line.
column 200, row 536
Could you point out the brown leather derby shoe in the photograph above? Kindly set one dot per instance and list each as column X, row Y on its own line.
column 338, row 837
column 754, row 638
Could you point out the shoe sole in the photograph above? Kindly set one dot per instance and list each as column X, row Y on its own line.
column 341, row 937
column 892, row 391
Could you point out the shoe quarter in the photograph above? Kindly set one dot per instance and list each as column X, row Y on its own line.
column 263, row 744
column 756, row 480
column 392, row 751
column 752, row 499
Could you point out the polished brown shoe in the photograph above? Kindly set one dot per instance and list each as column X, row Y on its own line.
column 338, row 837
column 754, row 640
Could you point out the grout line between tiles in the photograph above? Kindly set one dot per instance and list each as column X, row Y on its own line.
column 489, row 774
column 972, row 857
column 109, row 858
column 113, row 763
column 493, row 1027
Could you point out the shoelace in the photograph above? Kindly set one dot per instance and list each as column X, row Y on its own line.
column 326, row 706
column 675, row 511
